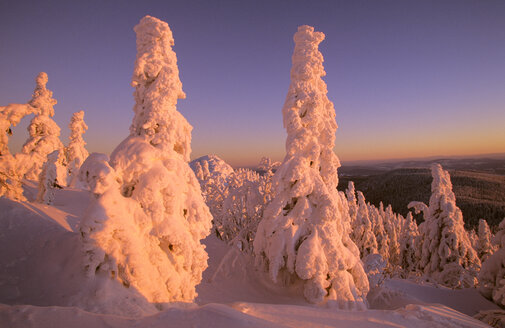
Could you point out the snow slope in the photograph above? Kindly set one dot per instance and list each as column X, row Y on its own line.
column 42, row 282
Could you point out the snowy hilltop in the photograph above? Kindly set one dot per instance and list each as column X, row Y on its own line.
column 145, row 238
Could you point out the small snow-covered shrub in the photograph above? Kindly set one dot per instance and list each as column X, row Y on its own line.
column 10, row 178
column 95, row 174
column 374, row 266
column 492, row 273
column 48, row 178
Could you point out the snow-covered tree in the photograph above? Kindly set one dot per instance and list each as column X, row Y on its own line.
column 76, row 153
column 474, row 239
column 247, row 196
column 266, row 165
column 10, row 178
column 10, row 172
column 408, row 236
column 44, row 132
column 362, row 230
column 445, row 252
column 10, row 116
column 304, row 233
column 484, row 246
column 48, row 178
column 96, row 174
column 381, row 236
column 391, row 224
column 145, row 230
column 350, row 193
column 212, row 173
column 492, row 274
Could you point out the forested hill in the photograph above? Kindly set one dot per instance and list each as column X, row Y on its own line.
column 479, row 186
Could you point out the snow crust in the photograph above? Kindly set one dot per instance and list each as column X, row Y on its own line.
column 304, row 233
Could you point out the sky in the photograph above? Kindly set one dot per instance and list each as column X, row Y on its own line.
column 407, row 78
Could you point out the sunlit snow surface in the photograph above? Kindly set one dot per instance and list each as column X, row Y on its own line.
column 42, row 282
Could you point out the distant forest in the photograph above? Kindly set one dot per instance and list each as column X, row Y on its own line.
column 479, row 195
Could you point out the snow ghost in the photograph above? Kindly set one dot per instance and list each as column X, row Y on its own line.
column 304, row 233
column 145, row 230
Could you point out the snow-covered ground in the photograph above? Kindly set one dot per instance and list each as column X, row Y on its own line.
column 43, row 284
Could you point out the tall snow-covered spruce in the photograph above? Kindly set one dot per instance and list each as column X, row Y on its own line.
column 444, row 249
column 145, row 230
column 304, row 233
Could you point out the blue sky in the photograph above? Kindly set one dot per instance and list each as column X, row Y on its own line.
column 408, row 78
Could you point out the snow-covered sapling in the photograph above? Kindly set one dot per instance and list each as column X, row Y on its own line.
column 492, row 274
column 76, row 153
column 48, row 178
column 484, row 246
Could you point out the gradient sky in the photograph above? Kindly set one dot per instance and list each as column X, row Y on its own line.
column 408, row 78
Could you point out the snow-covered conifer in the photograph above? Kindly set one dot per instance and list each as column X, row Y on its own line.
column 247, row 196
column 391, row 223
column 362, row 230
column 484, row 246
column 146, row 230
column 266, row 165
column 48, row 179
column 445, row 252
column 10, row 116
column 492, row 273
column 76, row 153
column 44, row 132
column 10, row 178
column 381, row 236
column 10, row 173
column 408, row 260
column 474, row 239
column 350, row 193
column 305, row 230
column 212, row 173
